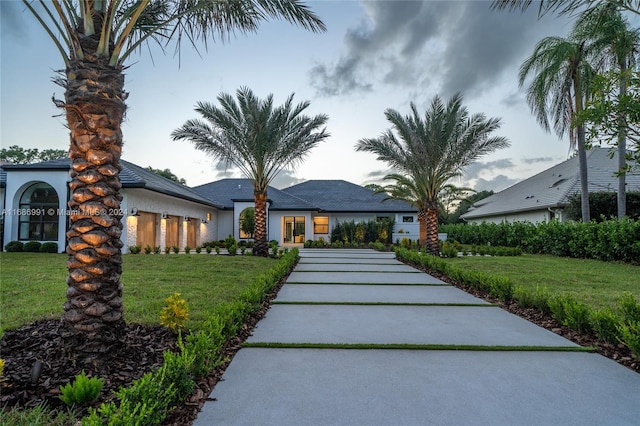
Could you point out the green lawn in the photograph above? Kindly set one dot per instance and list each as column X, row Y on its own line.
column 596, row 283
column 33, row 286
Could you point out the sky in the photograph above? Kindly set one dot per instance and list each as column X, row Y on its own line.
column 374, row 55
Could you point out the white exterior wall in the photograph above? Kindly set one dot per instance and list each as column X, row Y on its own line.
column 17, row 182
column 535, row 216
column 154, row 202
column 225, row 224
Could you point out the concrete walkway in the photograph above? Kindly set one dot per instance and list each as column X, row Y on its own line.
column 420, row 352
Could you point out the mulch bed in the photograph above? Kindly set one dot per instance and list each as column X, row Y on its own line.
column 143, row 349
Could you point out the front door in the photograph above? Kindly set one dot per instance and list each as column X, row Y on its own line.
column 294, row 228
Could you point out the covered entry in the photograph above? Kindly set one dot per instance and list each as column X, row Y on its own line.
column 294, row 229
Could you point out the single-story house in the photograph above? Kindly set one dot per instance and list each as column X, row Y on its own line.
column 307, row 211
column 156, row 211
column 543, row 197
column 159, row 212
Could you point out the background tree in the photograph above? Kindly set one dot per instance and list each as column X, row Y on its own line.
column 466, row 203
column 429, row 152
column 558, row 90
column 17, row 155
column 615, row 46
column 95, row 38
column 166, row 173
column 248, row 221
column 258, row 138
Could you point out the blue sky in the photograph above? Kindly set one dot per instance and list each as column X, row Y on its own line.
column 374, row 56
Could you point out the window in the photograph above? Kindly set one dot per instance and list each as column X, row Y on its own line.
column 407, row 219
column 41, row 224
column 247, row 223
column 382, row 218
column 321, row 225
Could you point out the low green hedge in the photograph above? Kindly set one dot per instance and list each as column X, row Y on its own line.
column 149, row 399
column 609, row 240
column 621, row 325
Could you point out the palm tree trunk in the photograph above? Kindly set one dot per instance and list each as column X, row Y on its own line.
column 422, row 224
column 584, row 181
column 94, row 102
column 622, row 150
column 582, row 152
column 261, row 247
column 432, row 231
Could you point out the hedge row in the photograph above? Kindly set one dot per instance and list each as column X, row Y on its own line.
column 149, row 399
column 363, row 232
column 610, row 240
column 610, row 326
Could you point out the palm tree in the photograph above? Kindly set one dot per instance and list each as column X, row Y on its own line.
column 95, row 38
column 558, row 90
column 615, row 45
column 257, row 138
column 566, row 7
column 429, row 152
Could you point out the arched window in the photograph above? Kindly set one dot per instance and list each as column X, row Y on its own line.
column 247, row 222
column 38, row 218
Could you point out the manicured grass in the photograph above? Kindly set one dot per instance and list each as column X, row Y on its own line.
column 596, row 283
column 33, row 285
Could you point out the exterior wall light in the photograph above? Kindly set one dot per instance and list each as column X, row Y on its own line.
column 134, row 212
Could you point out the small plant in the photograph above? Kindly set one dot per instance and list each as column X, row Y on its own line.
column 32, row 246
column 156, row 250
column 176, row 249
column 230, row 241
column 630, row 336
column 208, row 249
column 167, row 250
column 147, row 249
column 198, row 249
column 243, row 249
column 232, row 249
column 83, row 391
column 630, row 307
column 14, row 246
column 604, row 323
column 135, row 249
column 176, row 312
column 49, row 247
column 187, row 249
column 448, row 250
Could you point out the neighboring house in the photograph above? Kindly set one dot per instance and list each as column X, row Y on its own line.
column 543, row 197
column 155, row 211
column 307, row 211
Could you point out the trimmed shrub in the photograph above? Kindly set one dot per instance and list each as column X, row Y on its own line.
column 605, row 324
column 49, row 247
column 14, row 246
column 135, row 249
column 32, row 246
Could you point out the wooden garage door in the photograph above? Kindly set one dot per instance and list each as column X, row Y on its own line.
column 146, row 232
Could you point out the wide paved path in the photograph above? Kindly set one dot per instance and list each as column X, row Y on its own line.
column 357, row 338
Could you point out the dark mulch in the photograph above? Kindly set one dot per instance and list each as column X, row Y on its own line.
column 143, row 349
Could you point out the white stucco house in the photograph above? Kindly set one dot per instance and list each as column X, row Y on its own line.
column 307, row 211
column 543, row 197
column 158, row 212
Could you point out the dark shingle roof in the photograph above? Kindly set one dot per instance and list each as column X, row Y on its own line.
column 343, row 196
column 227, row 191
column 554, row 186
column 131, row 176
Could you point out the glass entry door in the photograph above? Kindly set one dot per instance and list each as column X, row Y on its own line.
column 294, row 228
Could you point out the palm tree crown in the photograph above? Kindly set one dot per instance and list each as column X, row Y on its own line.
column 429, row 152
column 257, row 137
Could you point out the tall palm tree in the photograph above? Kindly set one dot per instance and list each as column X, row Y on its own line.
column 566, row 7
column 95, row 38
column 429, row 152
column 561, row 77
column 615, row 45
column 258, row 138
